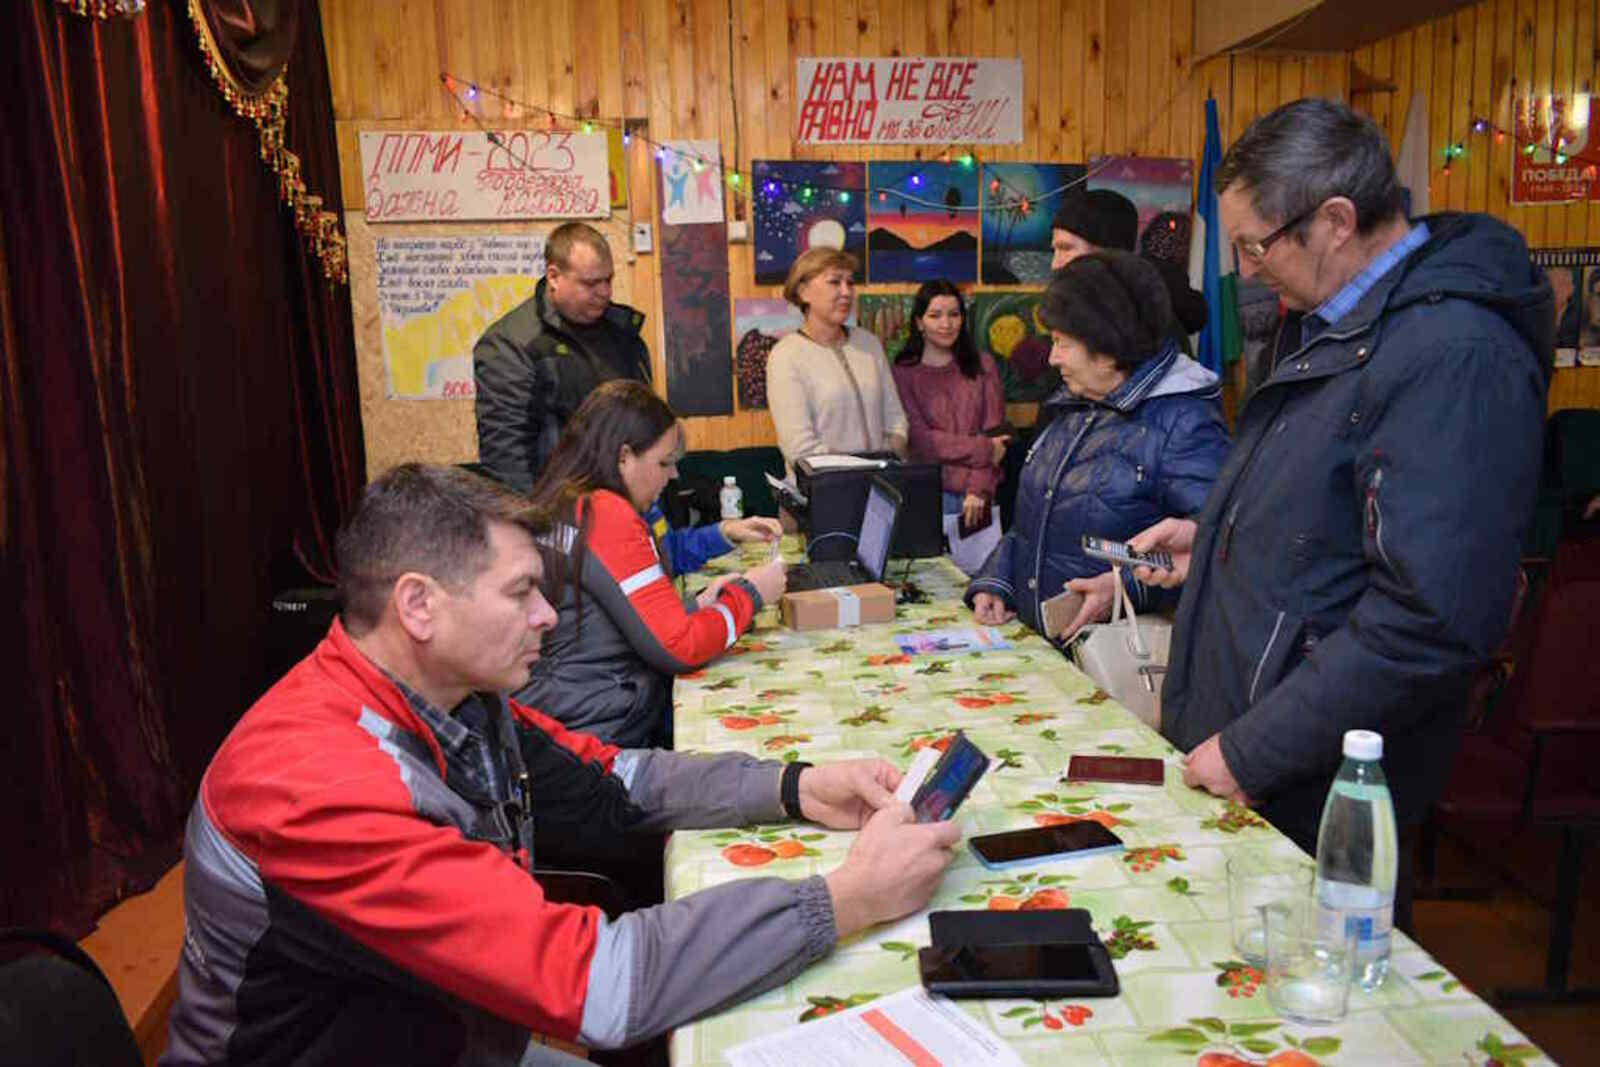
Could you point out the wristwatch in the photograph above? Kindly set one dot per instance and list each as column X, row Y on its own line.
column 789, row 788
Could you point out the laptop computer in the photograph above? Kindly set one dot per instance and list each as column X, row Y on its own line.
column 878, row 522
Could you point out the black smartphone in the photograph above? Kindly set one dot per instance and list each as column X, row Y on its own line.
column 1040, row 842
column 1040, row 970
column 966, row 530
column 1119, row 552
column 951, row 779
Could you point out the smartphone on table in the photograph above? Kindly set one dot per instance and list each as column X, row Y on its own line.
column 1013, row 848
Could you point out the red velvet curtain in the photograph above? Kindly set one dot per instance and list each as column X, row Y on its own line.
column 181, row 432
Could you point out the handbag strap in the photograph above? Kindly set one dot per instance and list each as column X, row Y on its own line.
column 1135, row 637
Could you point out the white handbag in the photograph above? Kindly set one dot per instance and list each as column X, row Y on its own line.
column 1127, row 657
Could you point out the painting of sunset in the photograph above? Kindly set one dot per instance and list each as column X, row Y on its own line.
column 922, row 222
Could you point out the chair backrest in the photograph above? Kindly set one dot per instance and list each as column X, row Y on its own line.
column 1556, row 673
column 56, row 1007
column 702, row 473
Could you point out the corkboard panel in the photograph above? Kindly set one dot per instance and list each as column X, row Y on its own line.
column 437, row 431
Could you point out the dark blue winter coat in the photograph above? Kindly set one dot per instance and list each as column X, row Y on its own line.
column 1150, row 449
column 1355, row 564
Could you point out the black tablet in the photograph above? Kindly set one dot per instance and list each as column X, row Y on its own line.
column 1052, row 969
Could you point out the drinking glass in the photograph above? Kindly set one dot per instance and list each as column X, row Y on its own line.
column 1255, row 879
column 1309, row 964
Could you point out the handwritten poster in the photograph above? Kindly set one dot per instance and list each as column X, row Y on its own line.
column 691, row 183
column 456, row 176
column 436, row 296
column 908, row 100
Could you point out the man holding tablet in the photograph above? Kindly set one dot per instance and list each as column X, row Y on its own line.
column 359, row 882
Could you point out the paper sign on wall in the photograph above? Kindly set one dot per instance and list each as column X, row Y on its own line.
column 908, row 100
column 436, row 296
column 458, row 176
column 691, row 183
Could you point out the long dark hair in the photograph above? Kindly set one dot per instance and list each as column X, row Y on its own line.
column 619, row 412
column 966, row 352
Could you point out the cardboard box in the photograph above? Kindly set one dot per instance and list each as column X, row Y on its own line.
column 827, row 609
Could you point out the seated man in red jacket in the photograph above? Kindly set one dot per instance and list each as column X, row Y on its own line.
column 358, row 884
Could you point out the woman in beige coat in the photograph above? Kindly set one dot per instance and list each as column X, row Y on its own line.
column 828, row 386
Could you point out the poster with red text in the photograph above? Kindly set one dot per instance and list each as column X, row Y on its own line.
column 908, row 100
column 455, row 176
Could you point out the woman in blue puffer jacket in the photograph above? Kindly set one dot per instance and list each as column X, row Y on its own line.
column 1135, row 434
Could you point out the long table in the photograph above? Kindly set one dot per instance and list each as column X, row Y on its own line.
column 1160, row 906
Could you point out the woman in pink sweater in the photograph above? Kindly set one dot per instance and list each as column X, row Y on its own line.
column 951, row 393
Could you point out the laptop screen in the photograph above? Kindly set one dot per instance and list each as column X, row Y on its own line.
column 872, row 548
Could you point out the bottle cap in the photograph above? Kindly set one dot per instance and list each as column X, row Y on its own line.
column 728, row 479
column 1363, row 745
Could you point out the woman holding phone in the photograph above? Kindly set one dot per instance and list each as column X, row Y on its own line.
column 1139, row 438
column 951, row 395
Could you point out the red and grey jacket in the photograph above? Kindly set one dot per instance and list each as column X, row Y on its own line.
column 345, row 902
column 610, row 672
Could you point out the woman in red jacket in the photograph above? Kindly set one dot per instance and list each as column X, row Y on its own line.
column 951, row 393
column 624, row 630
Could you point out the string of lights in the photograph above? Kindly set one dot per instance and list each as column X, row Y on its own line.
column 1555, row 144
column 469, row 97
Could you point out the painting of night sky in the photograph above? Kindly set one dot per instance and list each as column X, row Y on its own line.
column 1019, row 200
column 800, row 205
column 1162, row 187
column 921, row 222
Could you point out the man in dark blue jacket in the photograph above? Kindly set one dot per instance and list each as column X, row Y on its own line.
column 1355, row 563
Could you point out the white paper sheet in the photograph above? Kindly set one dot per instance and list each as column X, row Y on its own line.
column 970, row 553
column 908, row 1027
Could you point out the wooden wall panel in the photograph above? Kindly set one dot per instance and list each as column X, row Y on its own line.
column 1477, row 62
column 1100, row 76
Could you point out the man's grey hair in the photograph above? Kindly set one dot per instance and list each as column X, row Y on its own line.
column 426, row 519
column 1295, row 157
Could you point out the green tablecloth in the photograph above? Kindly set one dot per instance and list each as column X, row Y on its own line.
column 1160, row 906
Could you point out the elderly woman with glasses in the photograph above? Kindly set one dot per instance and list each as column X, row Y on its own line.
column 1138, row 437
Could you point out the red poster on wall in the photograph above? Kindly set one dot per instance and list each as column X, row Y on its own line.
column 1552, row 158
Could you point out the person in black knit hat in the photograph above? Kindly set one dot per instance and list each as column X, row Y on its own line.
column 1089, row 220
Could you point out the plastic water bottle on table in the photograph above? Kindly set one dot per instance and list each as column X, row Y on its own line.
column 1358, row 856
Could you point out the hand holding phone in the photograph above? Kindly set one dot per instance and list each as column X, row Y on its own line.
column 893, row 867
column 951, row 779
column 1119, row 552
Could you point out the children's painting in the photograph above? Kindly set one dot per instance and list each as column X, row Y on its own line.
column 922, row 222
column 888, row 317
column 1162, row 190
column 1007, row 326
column 758, row 325
column 1019, row 200
column 691, row 183
column 801, row 205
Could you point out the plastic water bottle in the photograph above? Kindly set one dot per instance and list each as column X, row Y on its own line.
column 731, row 498
column 1358, row 857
